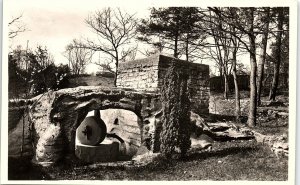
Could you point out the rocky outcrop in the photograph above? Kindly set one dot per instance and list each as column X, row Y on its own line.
column 56, row 115
column 280, row 149
column 278, row 143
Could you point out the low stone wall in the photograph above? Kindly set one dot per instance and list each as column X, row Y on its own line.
column 148, row 75
column 198, row 75
column 139, row 74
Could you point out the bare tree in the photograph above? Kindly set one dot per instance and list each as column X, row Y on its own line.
column 220, row 48
column 79, row 57
column 236, row 44
column 115, row 31
column 106, row 64
column 236, row 87
column 244, row 20
column 225, row 44
column 252, row 50
column 264, row 42
column 15, row 27
column 278, row 56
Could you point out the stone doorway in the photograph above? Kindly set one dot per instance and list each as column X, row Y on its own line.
column 122, row 141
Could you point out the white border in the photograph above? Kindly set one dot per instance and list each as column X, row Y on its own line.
column 147, row 3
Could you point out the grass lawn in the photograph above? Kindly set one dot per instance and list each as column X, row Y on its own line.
column 235, row 160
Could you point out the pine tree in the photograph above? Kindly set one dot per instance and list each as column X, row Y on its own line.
column 173, row 28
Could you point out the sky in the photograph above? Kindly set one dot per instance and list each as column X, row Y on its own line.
column 55, row 24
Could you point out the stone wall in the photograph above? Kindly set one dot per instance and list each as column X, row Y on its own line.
column 125, row 124
column 148, row 75
column 139, row 74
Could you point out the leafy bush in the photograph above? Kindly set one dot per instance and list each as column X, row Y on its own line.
column 17, row 84
column 79, row 75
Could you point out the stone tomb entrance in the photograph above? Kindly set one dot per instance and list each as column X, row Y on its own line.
column 122, row 141
column 56, row 116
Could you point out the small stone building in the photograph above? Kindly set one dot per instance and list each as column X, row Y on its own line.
column 148, row 75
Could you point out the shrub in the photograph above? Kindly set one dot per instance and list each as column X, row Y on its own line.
column 49, row 78
column 17, row 83
column 106, row 74
column 32, row 73
column 184, row 116
column 176, row 113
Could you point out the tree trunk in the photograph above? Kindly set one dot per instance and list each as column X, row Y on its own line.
column 236, row 88
column 278, row 56
column 226, row 86
column 225, row 64
column 117, row 64
column 187, row 47
column 261, row 65
column 253, row 98
column 175, row 46
column 220, row 71
column 267, row 75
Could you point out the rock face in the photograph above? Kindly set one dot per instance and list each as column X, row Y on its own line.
column 278, row 144
column 280, row 149
column 223, row 131
column 203, row 141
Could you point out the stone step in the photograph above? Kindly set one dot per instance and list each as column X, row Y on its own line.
column 100, row 153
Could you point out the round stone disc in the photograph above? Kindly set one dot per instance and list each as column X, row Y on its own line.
column 91, row 131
